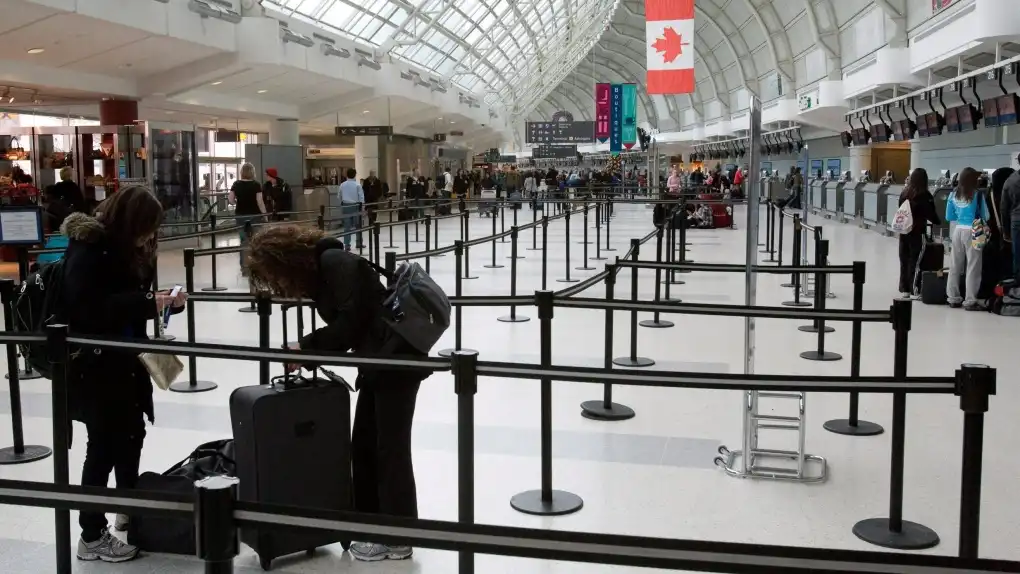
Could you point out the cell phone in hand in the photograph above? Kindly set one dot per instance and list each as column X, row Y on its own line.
column 166, row 311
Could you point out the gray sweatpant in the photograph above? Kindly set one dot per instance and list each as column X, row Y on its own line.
column 965, row 260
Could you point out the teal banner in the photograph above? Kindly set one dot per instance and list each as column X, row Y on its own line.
column 629, row 135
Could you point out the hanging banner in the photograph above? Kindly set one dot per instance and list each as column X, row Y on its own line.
column 602, row 112
column 629, row 129
column 669, row 31
column 616, row 119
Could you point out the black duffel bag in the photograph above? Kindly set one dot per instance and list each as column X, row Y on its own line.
column 177, row 535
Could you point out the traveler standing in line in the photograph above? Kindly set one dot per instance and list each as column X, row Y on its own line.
column 673, row 183
column 416, row 192
column 529, row 185
column 1009, row 209
column 108, row 272
column 352, row 198
column 964, row 206
column 281, row 199
column 68, row 192
column 299, row 261
column 922, row 210
column 246, row 197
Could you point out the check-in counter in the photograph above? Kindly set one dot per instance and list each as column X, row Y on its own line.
column 776, row 190
column 833, row 203
column 816, row 195
column 892, row 202
column 853, row 201
column 941, row 197
column 874, row 204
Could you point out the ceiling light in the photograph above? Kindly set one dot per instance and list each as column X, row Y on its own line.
column 36, row 50
column 168, row 112
column 452, row 122
column 218, row 82
column 439, row 118
column 365, row 112
column 263, row 91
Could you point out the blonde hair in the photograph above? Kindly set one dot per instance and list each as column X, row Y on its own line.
column 247, row 171
column 66, row 173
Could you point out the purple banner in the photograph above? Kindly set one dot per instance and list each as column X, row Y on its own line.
column 602, row 112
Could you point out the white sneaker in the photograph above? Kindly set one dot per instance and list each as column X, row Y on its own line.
column 904, row 295
column 121, row 523
column 108, row 548
column 369, row 552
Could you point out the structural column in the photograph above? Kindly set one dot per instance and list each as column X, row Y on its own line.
column 915, row 154
column 283, row 132
column 860, row 159
column 366, row 155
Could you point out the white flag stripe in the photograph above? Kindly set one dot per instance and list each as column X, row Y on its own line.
column 655, row 30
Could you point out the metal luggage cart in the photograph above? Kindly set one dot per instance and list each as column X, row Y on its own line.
column 806, row 468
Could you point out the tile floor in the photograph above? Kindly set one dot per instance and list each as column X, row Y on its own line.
column 651, row 475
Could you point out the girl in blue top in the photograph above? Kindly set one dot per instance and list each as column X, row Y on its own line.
column 965, row 205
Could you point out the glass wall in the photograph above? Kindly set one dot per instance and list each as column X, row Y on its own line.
column 220, row 155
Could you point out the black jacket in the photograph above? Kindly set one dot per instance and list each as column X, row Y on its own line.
column 103, row 295
column 1009, row 206
column 922, row 208
column 70, row 194
column 349, row 298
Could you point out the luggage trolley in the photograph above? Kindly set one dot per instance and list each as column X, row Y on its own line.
column 807, row 468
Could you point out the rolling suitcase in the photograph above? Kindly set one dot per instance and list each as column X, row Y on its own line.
column 292, row 443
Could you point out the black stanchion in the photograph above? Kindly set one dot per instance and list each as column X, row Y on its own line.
column 609, row 210
column 656, row 322
column 760, row 243
column 586, row 243
column 212, row 229
column 852, row 425
column 465, row 384
column 390, row 264
column 633, row 360
column 216, row 540
column 192, row 385
column 545, row 251
column 975, row 383
column 894, row 532
column 546, row 501
column 435, row 228
column 515, row 254
column 247, row 233
column 416, row 239
column 513, row 317
column 19, row 453
column 376, row 249
column 502, row 220
column 816, row 324
column 407, row 236
column 671, row 257
column 493, row 265
column 264, row 304
column 359, row 239
column 821, row 280
column 534, row 228
column 795, row 280
column 465, row 224
column 459, row 252
column 566, row 247
column 428, row 242
column 606, row 409
column 56, row 344
column 598, row 233
column 776, row 253
column 798, row 247
column 389, row 228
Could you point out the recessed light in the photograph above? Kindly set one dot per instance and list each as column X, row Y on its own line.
column 216, row 83
column 263, row 91
column 365, row 112
column 439, row 118
column 452, row 122
column 169, row 113
column 36, row 50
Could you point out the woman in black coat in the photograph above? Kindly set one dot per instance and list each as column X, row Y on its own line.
column 108, row 271
column 301, row 262
column 911, row 244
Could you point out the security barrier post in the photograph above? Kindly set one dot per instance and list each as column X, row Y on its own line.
column 587, row 266
column 19, row 453
column 606, row 409
column 598, row 233
column 545, row 250
column 493, row 265
column 465, row 383
column 821, row 283
column 513, row 317
column 458, row 321
column 633, row 360
column 56, row 344
column 975, row 383
column 192, row 385
column 264, row 304
column 212, row 229
column 216, row 540
column 656, row 322
column 566, row 247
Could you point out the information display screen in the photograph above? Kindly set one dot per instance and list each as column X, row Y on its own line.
column 1007, row 109
column 922, row 126
column 554, row 151
column 21, row 225
column 952, row 120
column 559, row 132
column 966, row 114
column 934, row 124
column 880, row 133
column 990, row 109
column 897, row 131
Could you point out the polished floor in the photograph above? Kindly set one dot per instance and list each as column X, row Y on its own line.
column 652, row 475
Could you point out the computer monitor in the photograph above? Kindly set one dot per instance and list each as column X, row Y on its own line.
column 953, row 120
column 897, row 131
column 922, row 126
column 967, row 123
column 880, row 133
column 990, row 108
column 934, row 121
column 846, row 139
column 909, row 129
column 1007, row 109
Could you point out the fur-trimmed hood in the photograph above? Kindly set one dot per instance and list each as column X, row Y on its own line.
column 81, row 227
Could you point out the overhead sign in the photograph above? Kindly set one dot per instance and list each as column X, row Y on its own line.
column 363, row 130
column 559, row 132
column 554, row 152
column 507, row 159
column 456, row 133
column 602, row 112
column 629, row 111
column 438, row 138
column 616, row 119
column 940, row 5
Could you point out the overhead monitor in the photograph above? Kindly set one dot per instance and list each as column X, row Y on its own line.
column 953, row 120
column 990, row 109
column 1007, row 109
column 880, row 133
column 845, row 138
column 861, row 136
column 922, row 126
column 967, row 121
column 897, row 131
column 935, row 123
column 909, row 129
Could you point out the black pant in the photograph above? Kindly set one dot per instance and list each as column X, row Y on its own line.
column 114, row 444
column 370, row 211
column 381, row 449
column 910, row 252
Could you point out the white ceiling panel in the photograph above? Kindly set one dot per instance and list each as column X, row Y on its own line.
column 66, row 39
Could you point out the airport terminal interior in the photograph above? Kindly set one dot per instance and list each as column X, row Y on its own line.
column 769, row 132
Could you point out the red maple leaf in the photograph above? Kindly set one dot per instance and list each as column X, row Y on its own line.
column 670, row 44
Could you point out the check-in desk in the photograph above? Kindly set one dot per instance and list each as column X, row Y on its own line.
column 833, row 203
column 874, row 205
column 816, row 195
column 853, row 201
column 892, row 203
column 776, row 190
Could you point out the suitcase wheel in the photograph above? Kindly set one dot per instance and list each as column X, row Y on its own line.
column 266, row 563
column 346, row 545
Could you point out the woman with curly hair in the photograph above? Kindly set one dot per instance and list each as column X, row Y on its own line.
column 302, row 262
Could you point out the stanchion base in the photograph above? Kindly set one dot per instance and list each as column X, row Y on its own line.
column 565, row 280
column 532, row 248
column 670, row 300
column 512, row 257
column 585, row 268
column 913, row 536
column 31, row 453
column 530, row 502
column 633, row 362
column 653, row 324
column 824, row 356
column 246, row 310
column 447, row 353
column 762, row 250
column 796, row 304
column 475, row 277
column 26, row 375
column 599, row 258
column 517, row 319
column 674, row 282
column 813, row 329
column 214, row 288
column 608, row 249
column 187, row 387
column 862, row 428
column 597, row 411
column 493, row 266
column 787, row 285
column 770, row 260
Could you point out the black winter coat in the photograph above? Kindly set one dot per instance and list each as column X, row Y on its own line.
column 349, row 298
column 103, row 295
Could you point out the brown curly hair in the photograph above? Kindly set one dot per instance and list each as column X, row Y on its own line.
column 281, row 259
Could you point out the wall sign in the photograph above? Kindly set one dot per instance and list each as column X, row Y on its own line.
column 940, row 5
column 363, row 130
column 616, row 119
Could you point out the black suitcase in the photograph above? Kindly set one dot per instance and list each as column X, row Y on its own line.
column 933, row 256
column 292, row 444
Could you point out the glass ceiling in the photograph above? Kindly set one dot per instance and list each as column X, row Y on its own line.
column 499, row 47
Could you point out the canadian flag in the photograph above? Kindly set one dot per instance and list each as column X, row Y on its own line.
column 669, row 33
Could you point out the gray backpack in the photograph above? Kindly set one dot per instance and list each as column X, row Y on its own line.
column 415, row 307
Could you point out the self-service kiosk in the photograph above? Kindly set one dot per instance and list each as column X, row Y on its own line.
column 853, row 198
column 816, row 194
column 943, row 187
column 833, row 204
column 773, row 187
column 892, row 203
column 875, row 203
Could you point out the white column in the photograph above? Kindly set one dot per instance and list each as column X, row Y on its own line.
column 366, row 155
column 915, row 154
column 283, row 132
column 860, row 160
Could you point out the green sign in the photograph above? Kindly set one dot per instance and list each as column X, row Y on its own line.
column 629, row 135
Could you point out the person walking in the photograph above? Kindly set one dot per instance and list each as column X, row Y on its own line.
column 249, row 205
column 352, row 200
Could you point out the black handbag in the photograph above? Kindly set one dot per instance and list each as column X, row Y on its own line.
column 176, row 535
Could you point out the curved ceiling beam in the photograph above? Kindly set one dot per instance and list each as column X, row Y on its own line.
column 834, row 60
column 580, row 110
column 896, row 10
column 770, row 43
